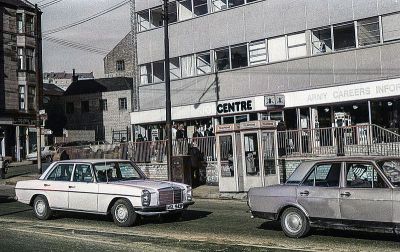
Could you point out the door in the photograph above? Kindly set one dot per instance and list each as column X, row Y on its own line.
column 269, row 157
column 319, row 193
column 228, row 173
column 252, row 174
column 365, row 196
column 57, row 184
column 83, row 191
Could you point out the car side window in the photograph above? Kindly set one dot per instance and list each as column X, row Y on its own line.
column 324, row 175
column 363, row 175
column 61, row 172
column 83, row 173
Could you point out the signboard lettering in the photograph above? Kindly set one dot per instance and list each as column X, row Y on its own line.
column 235, row 107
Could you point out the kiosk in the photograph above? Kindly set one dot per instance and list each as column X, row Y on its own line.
column 247, row 155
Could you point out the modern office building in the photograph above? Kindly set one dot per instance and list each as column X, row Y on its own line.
column 18, row 82
column 311, row 64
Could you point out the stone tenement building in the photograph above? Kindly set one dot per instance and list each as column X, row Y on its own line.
column 102, row 105
column 18, row 83
column 118, row 62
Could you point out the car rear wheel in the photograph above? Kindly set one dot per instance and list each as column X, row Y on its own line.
column 123, row 213
column 294, row 223
column 41, row 208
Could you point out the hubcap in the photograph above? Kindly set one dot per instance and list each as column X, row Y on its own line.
column 293, row 222
column 40, row 208
column 121, row 213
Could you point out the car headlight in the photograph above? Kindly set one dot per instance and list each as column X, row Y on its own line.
column 146, row 198
column 189, row 195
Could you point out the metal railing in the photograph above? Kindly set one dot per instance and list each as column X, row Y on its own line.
column 156, row 151
column 367, row 139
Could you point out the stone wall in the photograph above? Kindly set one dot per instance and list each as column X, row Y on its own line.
column 154, row 170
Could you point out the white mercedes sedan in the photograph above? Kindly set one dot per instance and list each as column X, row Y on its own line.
column 116, row 187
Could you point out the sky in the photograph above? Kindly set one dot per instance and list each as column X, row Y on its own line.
column 104, row 32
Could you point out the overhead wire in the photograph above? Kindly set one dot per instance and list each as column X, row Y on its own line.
column 52, row 2
column 76, row 45
column 98, row 14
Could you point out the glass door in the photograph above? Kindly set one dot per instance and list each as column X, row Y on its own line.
column 228, row 173
column 269, row 158
column 251, row 159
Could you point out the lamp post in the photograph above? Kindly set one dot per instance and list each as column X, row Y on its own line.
column 168, row 124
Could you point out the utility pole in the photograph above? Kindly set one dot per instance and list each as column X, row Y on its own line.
column 39, row 89
column 168, row 124
column 135, row 70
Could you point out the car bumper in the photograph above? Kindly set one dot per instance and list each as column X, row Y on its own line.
column 158, row 210
column 264, row 215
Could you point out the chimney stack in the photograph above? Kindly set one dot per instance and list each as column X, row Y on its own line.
column 74, row 76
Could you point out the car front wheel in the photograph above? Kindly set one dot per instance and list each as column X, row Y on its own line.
column 294, row 223
column 41, row 208
column 123, row 213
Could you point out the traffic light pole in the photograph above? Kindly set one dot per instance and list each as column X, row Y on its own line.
column 168, row 125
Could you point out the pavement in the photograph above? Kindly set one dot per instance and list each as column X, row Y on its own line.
column 20, row 171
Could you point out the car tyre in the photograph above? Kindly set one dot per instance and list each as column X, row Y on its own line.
column 41, row 208
column 294, row 223
column 123, row 213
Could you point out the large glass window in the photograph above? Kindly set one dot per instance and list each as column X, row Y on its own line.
column 20, row 55
column 30, row 65
column 172, row 12
column 188, row 66
column 218, row 5
column 156, row 17
column 390, row 27
column 21, row 100
column 297, row 45
column 31, row 98
column 158, row 71
column 257, row 52
column 30, row 29
column 116, row 171
column 321, row 41
column 368, row 31
column 222, row 58
column 184, row 9
column 61, row 172
column 203, row 63
column 363, row 175
column 251, row 154
column 277, row 49
column 239, row 56
column 145, row 74
column 344, row 37
column 324, row 175
column 175, row 68
column 20, row 23
column 200, row 7
column 143, row 20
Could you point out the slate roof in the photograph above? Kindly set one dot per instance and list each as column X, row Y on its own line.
column 99, row 86
column 64, row 75
column 18, row 3
column 52, row 89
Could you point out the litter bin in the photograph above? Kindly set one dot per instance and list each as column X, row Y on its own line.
column 2, row 168
column 181, row 169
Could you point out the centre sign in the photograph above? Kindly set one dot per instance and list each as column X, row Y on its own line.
column 235, row 106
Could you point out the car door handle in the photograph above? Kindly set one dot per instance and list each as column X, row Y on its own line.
column 46, row 185
column 305, row 193
column 346, row 194
column 71, row 186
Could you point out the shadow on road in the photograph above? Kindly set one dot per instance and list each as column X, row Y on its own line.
column 276, row 226
column 6, row 199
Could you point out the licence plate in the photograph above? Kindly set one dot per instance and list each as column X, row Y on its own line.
column 174, row 206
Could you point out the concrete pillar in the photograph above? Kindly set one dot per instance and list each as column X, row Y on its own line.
column 27, row 150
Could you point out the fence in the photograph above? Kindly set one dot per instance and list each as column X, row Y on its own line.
column 367, row 139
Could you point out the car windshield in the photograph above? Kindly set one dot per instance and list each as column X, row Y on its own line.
column 117, row 171
column 391, row 168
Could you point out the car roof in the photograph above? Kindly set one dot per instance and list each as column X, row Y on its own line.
column 92, row 161
column 351, row 158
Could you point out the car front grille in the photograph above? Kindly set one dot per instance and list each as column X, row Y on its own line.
column 170, row 195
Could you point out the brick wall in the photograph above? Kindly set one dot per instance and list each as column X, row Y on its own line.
column 122, row 51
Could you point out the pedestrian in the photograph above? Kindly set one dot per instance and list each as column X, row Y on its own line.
column 64, row 155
